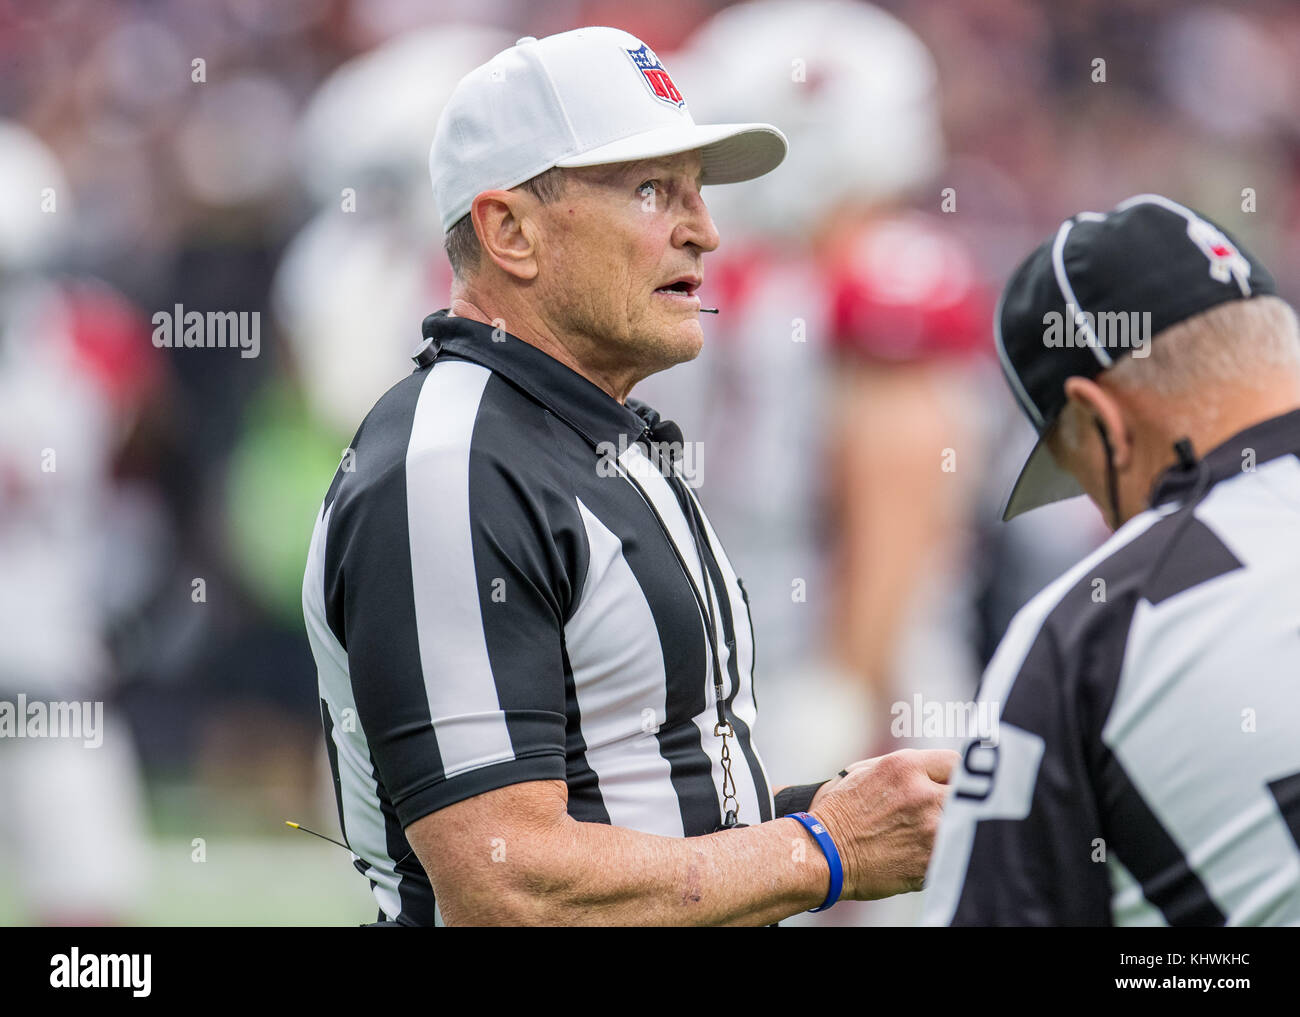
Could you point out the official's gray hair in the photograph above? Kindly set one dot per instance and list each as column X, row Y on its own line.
column 1236, row 343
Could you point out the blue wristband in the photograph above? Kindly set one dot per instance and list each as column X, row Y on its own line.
column 827, row 845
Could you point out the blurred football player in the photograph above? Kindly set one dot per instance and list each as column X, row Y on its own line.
column 75, row 362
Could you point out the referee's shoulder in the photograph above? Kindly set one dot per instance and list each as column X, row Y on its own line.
column 1068, row 640
column 1118, row 563
column 1156, row 555
column 442, row 418
column 1083, row 620
column 1102, row 587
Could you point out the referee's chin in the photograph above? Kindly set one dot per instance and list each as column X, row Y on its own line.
column 686, row 335
column 657, row 343
column 678, row 343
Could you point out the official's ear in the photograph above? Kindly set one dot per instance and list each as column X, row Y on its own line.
column 504, row 222
column 1095, row 403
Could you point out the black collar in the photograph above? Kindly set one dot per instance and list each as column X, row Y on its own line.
column 587, row 408
column 1277, row 436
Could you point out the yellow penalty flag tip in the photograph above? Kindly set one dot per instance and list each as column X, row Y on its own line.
column 296, row 826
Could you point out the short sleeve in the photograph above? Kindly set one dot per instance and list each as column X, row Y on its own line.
column 455, row 592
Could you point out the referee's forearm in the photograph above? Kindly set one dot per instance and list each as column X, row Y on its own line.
column 595, row 874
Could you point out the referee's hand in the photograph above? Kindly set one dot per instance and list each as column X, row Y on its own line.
column 884, row 816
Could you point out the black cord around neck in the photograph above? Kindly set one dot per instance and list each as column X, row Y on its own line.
column 1112, row 477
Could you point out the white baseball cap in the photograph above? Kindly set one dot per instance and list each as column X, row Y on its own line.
column 586, row 97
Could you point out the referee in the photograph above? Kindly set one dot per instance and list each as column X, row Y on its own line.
column 1147, row 764
column 536, row 662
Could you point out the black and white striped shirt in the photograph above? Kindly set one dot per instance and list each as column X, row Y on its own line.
column 497, row 591
column 1146, row 769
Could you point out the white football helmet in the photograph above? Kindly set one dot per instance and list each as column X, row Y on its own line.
column 853, row 88
column 35, row 205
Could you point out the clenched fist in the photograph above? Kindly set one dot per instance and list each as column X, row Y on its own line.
column 883, row 817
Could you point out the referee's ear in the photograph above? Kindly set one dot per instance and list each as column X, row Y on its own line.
column 1095, row 403
column 505, row 227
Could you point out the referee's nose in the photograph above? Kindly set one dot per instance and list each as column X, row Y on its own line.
column 696, row 226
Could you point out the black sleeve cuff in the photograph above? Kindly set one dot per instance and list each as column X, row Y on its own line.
column 796, row 798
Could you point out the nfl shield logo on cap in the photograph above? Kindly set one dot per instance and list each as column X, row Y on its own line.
column 655, row 74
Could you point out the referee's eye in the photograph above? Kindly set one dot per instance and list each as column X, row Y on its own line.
column 649, row 183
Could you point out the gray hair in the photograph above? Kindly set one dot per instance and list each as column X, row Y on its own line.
column 461, row 242
column 1239, row 342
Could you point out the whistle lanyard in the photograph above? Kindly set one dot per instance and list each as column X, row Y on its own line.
column 704, row 603
column 723, row 728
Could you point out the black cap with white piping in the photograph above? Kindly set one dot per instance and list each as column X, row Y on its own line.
column 1101, row 288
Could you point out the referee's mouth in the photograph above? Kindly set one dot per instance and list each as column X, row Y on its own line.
column 681, row 291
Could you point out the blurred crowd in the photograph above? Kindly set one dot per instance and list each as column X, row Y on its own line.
column 270, row 156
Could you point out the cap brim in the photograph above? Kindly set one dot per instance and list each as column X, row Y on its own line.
column 1041, row 482
column 729, row 153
